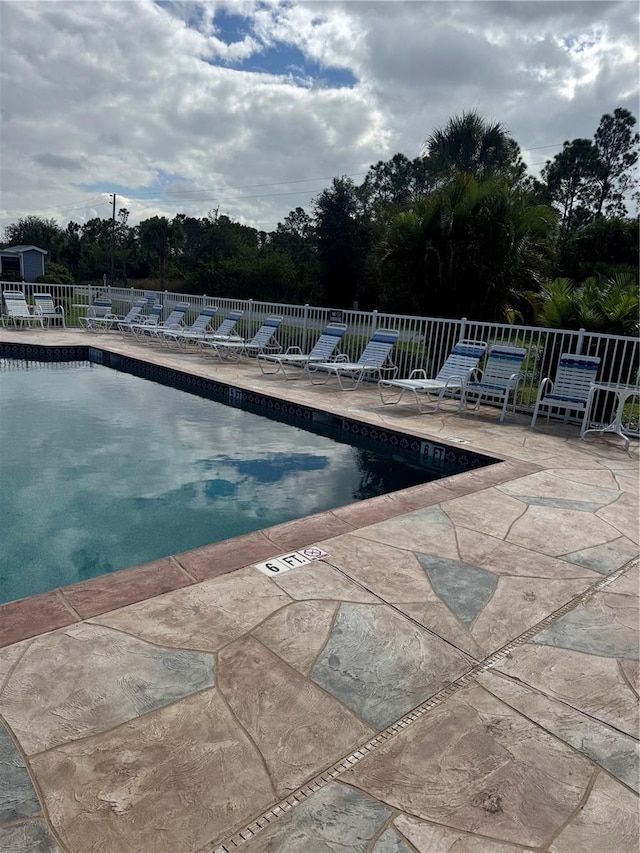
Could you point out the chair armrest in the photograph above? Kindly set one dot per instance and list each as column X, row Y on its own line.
column 293, row 350
column 418, row 373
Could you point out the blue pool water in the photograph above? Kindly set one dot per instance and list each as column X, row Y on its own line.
column 100, row 470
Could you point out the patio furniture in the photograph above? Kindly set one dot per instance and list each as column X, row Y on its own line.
column 17, row 312
column 45, row 307
column 463, row 359
column 293, row 364
column 224, row 332
column 499, row 379
column 99, row 316
column 570, row 390
column 110, row 320
column 154, row 331
column 262, row 341
column 128, row 326
column 622, row 393
column 371, row 363
column 192, row 333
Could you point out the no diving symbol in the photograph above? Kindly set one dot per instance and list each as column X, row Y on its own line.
column 314, row 553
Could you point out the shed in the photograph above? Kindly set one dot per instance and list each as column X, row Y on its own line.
column 26, row 262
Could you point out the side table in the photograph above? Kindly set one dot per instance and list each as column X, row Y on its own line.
column 622, row 393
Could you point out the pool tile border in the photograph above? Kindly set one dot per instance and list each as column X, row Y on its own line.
column 38, row 614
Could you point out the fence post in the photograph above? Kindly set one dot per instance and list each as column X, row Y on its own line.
column 463, row 326
column 304, row 326
column 580, row 341
column 250, row 320
column 374, row 321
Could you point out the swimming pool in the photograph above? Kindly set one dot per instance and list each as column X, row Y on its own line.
column 102, row 469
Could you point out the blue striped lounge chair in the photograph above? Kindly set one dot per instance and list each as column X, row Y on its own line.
column 293, row 364
column 17, row 312
column 456, row 370
column 128, row 326
column 499, row 379
column 46, row 308
column 230, row 350
column 99, row 316
column 371, row 364
column 190, row 334
column 570, row 389
column 155, row 331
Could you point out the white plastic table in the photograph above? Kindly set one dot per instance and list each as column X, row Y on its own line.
column 622, row 393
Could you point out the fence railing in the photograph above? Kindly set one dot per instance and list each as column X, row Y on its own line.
column 423, row 342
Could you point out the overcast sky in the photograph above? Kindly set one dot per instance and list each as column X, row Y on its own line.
column 252, row 107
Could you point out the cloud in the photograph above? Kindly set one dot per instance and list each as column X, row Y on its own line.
column 252, row 107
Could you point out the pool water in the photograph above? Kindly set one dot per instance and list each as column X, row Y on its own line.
column 100, row 470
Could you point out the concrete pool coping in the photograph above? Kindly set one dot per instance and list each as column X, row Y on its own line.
column 524, row 726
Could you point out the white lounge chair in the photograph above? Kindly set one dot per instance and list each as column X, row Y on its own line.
column 128, row 326
column 99, row 317
column 463, row 359
column 498, row 380
column 47, row 309
column 111, row 320
column 225, row 332
column 370, row 364
column 154, row 331
column 262, row 341
column 569, row 390
column 293, row 364
column 190, row 334
column 17, row 312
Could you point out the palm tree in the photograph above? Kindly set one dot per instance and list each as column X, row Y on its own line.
column 468, row 250
column 469, row 144
column 607, row 305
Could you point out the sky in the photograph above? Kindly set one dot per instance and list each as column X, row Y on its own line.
column 251, row 108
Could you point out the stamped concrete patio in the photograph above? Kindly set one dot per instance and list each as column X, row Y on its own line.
column 460, row 673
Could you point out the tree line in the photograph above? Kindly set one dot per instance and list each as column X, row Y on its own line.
column 461, row 230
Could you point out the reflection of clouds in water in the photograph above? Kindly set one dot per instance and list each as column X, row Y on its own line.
column 155, row 469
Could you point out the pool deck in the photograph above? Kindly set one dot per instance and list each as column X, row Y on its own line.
column 460, row 673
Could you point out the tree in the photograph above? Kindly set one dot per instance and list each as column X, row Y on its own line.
column 159, row 237
column 344, row 238
column 395, row 183
column 615, row 143
column 469, row 250
column 469, row 144
column 609, row 305
column 36, row 231
column 571, row 180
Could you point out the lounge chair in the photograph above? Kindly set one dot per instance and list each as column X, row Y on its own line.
column 293, row 364
column 225, row 332
column 110, row 320
column 370, row 364
column 128, row 326
column 570, row 389
column 47, row 309
column 262, row 341
column 154, row 331
column 463, row 359
column 192, row 333
column 99, row 317
column 498, row 380
column 17, row 311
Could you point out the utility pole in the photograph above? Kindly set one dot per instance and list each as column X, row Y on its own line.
column 113, row 240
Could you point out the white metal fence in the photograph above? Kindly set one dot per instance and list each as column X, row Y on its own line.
column 423, row 342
